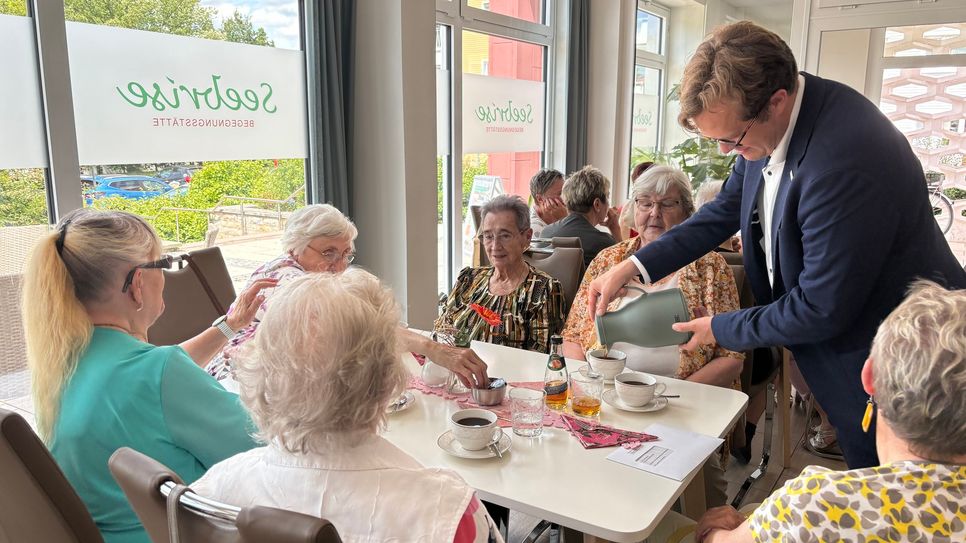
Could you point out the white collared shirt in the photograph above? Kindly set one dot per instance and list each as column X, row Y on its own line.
column 772, row 174
column 766, row 199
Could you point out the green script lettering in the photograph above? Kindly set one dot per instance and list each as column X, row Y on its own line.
column 508, row 113
column 268, row 95
column 171, row 95
column 137, row 90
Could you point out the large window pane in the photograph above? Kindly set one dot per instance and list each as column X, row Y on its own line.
column 527, row 10
column 23, row 191
column 648, row 35
column 926, row 105
column 207, row 140
column 504, row 103
column 645, row 123
column 913, row 41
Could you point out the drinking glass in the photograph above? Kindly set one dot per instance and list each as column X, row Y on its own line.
column 586, row 387
column 526, row 411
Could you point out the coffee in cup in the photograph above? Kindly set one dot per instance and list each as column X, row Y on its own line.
column 637, row 389
column 607, row 363
column 474, row 429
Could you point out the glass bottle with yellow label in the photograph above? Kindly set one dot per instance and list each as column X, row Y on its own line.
column 555, row 378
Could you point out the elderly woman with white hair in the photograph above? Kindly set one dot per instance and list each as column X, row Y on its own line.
column 662, row 200
column 915, row 377
column 316, row 380
column 319, row 238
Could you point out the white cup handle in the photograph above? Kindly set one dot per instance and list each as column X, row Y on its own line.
column 496, row 435
column 660, row 388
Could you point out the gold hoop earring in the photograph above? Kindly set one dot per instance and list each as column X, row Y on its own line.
column 867, row 417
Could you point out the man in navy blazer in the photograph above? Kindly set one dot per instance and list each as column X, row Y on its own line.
column 833, row 212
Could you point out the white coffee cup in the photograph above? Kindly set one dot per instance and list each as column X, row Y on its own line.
column 470, row 430
column 608, row 367
column 636, row 389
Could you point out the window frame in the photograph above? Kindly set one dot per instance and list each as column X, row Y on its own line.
column 64, row 193
column 656, row 61
column 458, row 15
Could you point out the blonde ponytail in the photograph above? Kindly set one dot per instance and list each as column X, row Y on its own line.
column 96, row 249
column 56, row 327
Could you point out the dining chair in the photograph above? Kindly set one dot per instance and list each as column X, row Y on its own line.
column 194, row 296
column 565, row 264
column 37, row 502
column 171, row 512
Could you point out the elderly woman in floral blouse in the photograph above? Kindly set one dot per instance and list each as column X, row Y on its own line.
column 318, row 238
column 525, row 304
column 662, row 200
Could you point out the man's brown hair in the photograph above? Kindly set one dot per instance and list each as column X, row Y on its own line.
column 742, row 62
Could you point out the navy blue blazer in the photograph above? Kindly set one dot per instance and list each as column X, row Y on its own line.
column 852, row 228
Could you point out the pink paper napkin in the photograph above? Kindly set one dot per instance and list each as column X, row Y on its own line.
column 595, row 436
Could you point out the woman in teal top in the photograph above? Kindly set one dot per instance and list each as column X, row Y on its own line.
column 92, row 289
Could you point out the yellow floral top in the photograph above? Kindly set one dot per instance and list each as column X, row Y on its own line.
column 706, row 282
column 905, row 501
column 529, row 315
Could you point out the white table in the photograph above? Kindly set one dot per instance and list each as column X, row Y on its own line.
column 553, row 477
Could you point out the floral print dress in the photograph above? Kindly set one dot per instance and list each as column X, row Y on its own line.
column 706, row 282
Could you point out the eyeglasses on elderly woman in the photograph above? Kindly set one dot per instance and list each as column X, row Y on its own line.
column 502, row 237
column 647, row 204
column 332, row 256
column 165, row 262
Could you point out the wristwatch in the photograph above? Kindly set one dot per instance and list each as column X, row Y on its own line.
column 221, row 323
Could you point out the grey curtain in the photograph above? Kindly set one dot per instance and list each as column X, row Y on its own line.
column 328, row 53
column 578, row 76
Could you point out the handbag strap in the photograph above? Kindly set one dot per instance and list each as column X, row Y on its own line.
column 174, row 497
column 204, row 284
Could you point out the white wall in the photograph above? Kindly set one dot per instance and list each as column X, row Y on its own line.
column 844, row 57
column 612, row 26
column 394, row 164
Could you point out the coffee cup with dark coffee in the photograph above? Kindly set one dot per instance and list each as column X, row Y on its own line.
column 607, row 363
column 474, row 429
column 637, row 389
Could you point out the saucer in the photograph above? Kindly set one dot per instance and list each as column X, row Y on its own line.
column 658, row 403
column 402, row 403
column 447, row 442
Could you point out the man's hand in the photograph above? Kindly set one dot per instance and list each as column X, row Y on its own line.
column 700, row 327
column 466, row 364
column 551, row 209
column 718, row 518
column 605, row 288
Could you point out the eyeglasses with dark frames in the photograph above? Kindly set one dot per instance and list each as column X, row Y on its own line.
column 165, row 262
column 735, row 145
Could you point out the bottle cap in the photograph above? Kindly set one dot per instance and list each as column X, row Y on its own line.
column 556, row 340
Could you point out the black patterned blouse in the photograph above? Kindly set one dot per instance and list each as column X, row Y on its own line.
column 530, row 314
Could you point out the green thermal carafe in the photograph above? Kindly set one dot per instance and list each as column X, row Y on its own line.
column 646, row 321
